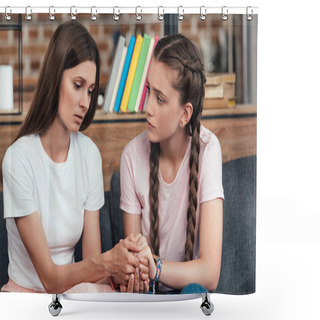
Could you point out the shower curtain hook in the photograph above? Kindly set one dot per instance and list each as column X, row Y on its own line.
column 93, row 16
column 28, row 13
column 224, row 13
column 203, row 13
column 51, row 13
column 180, row 13
column 73, row 15
column 138, row 15
column 116, row 16
column 7, row 10
column 249, row 16
column 160, row 15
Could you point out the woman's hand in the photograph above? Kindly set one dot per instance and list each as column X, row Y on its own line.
column 139, row 280
column 123, row 262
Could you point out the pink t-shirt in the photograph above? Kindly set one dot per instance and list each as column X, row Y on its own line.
column 173, row 197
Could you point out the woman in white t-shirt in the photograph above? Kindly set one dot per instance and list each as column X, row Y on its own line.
column 52, row 180
column 171, row 176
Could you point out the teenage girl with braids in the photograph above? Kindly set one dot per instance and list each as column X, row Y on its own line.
column 171, row 175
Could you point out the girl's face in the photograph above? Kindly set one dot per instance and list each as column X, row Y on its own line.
column 75, row 95
column 163, row 109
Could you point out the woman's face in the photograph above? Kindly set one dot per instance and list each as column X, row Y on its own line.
column 163, row 108
column 75, row 95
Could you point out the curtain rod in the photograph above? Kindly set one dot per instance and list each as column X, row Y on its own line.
column 139, row 11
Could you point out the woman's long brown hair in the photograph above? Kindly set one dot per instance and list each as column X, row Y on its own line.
column 180, row 54
column 70, row 45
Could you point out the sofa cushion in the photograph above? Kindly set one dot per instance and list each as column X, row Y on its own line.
column 239, row 227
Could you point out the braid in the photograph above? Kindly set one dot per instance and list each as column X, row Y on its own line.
column 181, row 55
column 153, row 197
column 193, row 191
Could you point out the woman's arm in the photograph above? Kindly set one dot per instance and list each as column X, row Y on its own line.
column 91, row 242
column 58, row 278
column 206, row 269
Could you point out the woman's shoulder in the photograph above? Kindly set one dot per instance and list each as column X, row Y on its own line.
column 21, row 151
column 24, row 145
column 84, row 142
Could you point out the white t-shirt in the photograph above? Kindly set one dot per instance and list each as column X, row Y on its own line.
column 59, row 192
column 173, row 197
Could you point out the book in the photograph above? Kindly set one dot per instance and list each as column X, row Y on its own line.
column 144, row 91
column 116, row 84
column 124, row 73
column 218, row 103
column 138, row 74
column 218, row 78
column 222, row 90
column 131, row 73
column 114, row 71
column 144, row 75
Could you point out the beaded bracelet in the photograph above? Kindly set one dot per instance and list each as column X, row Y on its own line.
column 157, row 277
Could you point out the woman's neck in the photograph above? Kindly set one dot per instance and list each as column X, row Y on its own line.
column 56, row 142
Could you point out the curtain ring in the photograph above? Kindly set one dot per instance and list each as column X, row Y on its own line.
column 224, row 13
column 7, row 10
column 180, row 13
column 138, row 15
column 203, row 12
column 28, row 13
column 116, row 16
column 52, row 11
column 249, row 16
column 160, row 15
column 93, row 16
column 73, row 14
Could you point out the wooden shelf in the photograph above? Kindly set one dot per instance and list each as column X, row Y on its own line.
column 236, row 129
column 102, row 116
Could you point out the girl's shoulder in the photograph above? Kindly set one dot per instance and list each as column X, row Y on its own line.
column 207, row 137
column 139, row 145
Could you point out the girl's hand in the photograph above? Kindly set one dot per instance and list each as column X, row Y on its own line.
column 146, row 255
column 136, row 284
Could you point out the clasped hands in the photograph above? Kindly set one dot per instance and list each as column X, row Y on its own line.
column 133, row 265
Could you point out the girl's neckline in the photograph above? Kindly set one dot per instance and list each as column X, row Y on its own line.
column 169, row 184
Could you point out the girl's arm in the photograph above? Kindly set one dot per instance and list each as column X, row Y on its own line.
column 206, row 269
column 131, row 223
column 58, row 278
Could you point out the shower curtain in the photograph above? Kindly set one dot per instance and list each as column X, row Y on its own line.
column 227, row 43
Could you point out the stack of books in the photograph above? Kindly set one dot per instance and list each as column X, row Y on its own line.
column 126, row 90
column 220, row 91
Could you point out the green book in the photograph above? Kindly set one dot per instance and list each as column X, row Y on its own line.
column 139, row 72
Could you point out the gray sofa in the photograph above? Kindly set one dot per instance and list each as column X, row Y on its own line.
column 239, row 227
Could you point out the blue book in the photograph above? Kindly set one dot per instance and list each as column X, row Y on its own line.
column 124, row 74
